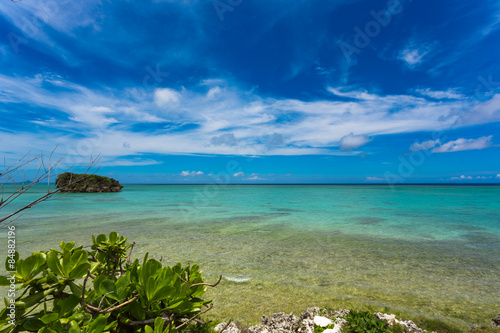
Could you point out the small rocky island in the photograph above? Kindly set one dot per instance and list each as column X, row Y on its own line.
column 83, row 183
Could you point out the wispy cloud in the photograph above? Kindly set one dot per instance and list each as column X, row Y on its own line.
column 256, row 176
column 414, row 53
column 351, row 141
column 165, row 97
column 374, row 179
column 125, row 122
column 425, row 145
column 191, row 173
column 478, row 178
column 464, row 144
column 437, row 94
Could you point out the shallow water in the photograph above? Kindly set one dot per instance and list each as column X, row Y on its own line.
column 431, row 250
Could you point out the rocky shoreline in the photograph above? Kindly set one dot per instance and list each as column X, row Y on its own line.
column 312, row 318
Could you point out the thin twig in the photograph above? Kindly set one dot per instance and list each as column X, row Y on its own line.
column 226, row 326
column 103, row 297
column 197, row 315
column 207, row 284
column 129, row 261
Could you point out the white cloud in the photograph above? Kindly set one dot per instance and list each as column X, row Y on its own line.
column 192, row 173
column 414, row 53
column 485, row 112
column 351, row 141
column 214, row 92
column 498, row 176
column 374, row 179
column 226, row 139
column 255, row 178
column 439, row 94
column 462, row 177
column 240, row 123
column 166, row 97
column 464, row 144
column 239, row 174
column 412, row 56
column 127, row 162
column 424, row 145
column 363, row 95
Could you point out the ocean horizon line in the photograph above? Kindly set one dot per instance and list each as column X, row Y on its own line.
column 321, row 184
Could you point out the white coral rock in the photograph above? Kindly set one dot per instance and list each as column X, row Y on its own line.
column 322, row 321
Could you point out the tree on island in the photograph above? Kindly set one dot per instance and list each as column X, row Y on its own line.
column 74, row 182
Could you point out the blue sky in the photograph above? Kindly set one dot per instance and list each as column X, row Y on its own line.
column 240, row 91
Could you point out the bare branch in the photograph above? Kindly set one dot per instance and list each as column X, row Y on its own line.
column 207, row 284
column 197, row 315
column 226, row 326
column 43, row 172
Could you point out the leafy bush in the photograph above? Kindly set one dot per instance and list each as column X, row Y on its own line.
column 101, row 290
column 319, row 329
column 364, row 322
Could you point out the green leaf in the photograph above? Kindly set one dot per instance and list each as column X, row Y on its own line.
column 175, row 305
column 7, row 265
column 111, row 326
column 137, row 310
column 75, row 289
column 100, row 239
column 150, row 287
column 148, row 329
column 107, row 286
column 159, row 323
column 69, row 246
column 73, row 327
column 4, row 281
column 162, row 293
column 31, row 324
column 79, row 271
column 46, row 330
column 113, row 237
column 121, row 285
column 66, row 264
column 54, row 263
column 67, row 304
column 97, row 282
column 98, row 324
column 50, row 317
column 79, row 257
column 31, row 300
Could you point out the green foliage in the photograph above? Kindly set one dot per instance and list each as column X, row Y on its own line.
column 319, row 329
column 398, row 328
column 365, row 322
column 74, row 182
column 202, row 327
column 433, row 325
column 101, row 290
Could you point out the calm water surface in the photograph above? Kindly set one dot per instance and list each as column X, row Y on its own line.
column 431, row 250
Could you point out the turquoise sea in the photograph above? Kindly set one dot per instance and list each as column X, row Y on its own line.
column 418, row 250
